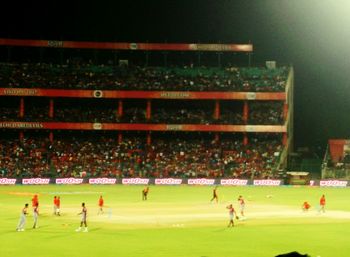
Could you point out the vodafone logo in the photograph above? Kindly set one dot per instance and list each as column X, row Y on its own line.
column 8, row 181
column 266, row 182
column 35, row 181
column 102, row 181
column 333, row 183
column 234, row 182
column 69, row 181
column 201, row 181
column 168, row 181
column 135, row 181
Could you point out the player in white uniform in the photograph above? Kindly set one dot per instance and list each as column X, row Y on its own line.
column 22, row 218
column 83, row 214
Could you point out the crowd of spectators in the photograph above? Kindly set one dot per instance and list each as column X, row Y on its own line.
column 260, row 113
column 109, row 77
column 265, row 113
column 166, row 156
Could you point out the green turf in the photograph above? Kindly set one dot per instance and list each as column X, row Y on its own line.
column 176, row 221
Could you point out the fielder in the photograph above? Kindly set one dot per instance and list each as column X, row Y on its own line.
column 83, row 214
column 22, row 218
column 36, row 215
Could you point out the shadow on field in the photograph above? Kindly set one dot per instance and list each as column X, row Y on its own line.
column 292, row 254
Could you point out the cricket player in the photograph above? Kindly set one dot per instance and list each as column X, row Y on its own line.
column 22, row 219
column 55, row 205
column 232, row 214
column 215, row 195
column 145, row 193
column 306, row 206
column 100, row 205
column 36, row 215
column 322, row 204
column 241, row 205
column 58, row 205
column 35, row 201
column 83, row 214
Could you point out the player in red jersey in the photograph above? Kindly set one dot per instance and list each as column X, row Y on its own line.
column 145, row 192
column 100, row 205
column 306, row 206
column 232, row 213
column 322, row 203
column 58, row 205
column 241, row 205
column 215, row 195
column 83, row 214
column 55, row 205
column 36, row 215
column 35, row 201
column 22, row 219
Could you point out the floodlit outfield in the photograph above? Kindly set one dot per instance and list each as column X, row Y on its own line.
column 176, row 221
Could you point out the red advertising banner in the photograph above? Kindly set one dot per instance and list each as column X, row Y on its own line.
column 142, row 127
column 128, row 46
column 142, row 94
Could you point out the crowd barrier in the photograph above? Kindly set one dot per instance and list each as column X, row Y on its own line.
column 164, row 181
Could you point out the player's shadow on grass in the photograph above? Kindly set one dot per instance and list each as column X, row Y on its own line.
column 292, row 254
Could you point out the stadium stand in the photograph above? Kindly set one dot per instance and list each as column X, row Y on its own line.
column 88, row 76
column 84, row 154
column 122, row 119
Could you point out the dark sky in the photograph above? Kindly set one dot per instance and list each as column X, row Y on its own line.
column 312, row 35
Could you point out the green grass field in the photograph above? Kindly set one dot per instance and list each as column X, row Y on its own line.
column 176, row 221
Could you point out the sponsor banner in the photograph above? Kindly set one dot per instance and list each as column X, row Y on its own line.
column 102, row 181
column 8, row 181
column 168, row 181
column 69, row 181
column 222, row 47
column 35, row 181
column 200, row 181
column 333, row 183
column 267, row 182
column 135, row 181
column 234, row 182
column 132, row 94
column 22, row 125
column 20, row 91
column 176, row 95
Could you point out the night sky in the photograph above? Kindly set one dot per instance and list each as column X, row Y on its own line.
column 312, row 35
